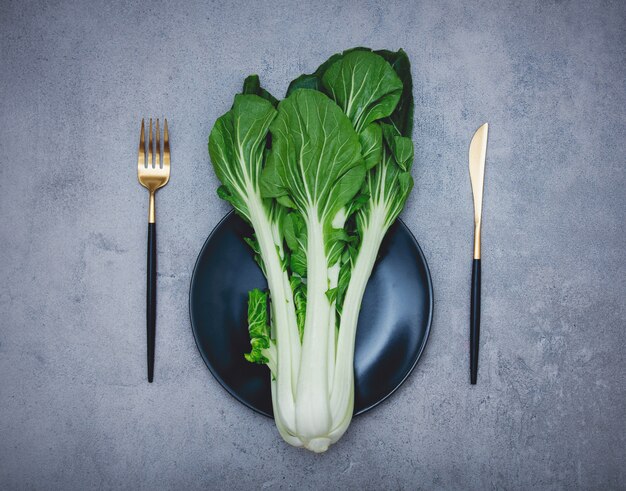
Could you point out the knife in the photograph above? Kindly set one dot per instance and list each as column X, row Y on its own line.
column 477, row 153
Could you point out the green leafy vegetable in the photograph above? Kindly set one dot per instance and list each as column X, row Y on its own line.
column 320, row 176
column 263, row 348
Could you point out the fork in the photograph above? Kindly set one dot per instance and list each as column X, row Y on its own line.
column 152, row 176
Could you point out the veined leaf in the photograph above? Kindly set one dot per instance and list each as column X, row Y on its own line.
column 258, row 327
column 364, row 85
column 401, row 147
column 390, row 182
column 294, row 231
column 315, row 158
column 402, row 116
column 371, row 139
column 236, row 146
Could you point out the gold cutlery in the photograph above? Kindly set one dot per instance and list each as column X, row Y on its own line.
column 152, row 176
column 477, row 154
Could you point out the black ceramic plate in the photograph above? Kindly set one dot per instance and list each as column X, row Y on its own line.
column 393, row 324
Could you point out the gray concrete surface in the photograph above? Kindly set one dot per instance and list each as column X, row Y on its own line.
column 75, row 80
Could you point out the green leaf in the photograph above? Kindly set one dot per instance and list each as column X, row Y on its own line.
column 337, row 238
column 371, row 139
column 252, row 85
column 299, row 297
column 401, row 147
column 315, row 157
column 236, row 146
column 344, row 280
column 257, row 326
column 402, row 116
column 297, row 263
column 390, row 182
column 364, row 85
column 331, row 294
column 313, row 80
column 294, row 232
column 235, row 200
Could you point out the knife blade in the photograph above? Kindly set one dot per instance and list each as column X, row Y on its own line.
column 477, row 155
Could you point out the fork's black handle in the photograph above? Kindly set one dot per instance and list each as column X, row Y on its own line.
column 151, row 298
column 475, row 321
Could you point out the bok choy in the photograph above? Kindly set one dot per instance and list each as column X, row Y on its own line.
column 320, row 176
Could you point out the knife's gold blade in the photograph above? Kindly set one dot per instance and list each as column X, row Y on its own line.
column 477, row 154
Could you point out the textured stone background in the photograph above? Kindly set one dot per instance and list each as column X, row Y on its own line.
column 75, row 80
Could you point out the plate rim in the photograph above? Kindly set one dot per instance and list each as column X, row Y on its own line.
column 420, row 351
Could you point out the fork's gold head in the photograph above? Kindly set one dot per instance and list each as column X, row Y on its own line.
column 151, row 174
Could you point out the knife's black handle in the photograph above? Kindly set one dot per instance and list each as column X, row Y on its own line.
column 151, row 298
column 475, row 321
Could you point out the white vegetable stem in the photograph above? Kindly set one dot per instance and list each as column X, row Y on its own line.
column 313, row 421
column 333, row 279
column 342, row 399
column 283, row 312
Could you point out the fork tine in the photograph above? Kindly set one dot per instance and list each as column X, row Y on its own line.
column 157, row 147
column 150, row 146
column 166, row 147
column 141, row 160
